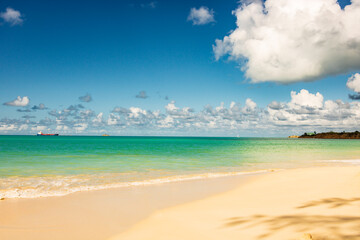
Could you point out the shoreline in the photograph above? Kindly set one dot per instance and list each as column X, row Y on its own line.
column 102, row 213
column 27, row 193
column 211, row 206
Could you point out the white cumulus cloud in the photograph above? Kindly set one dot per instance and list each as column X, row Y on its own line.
column 99, row 118
column 306, row 99
column 290, row 40
column 201, row 16
column 7, row 127
column 39, row 128
column 304, row 111
column 19, row 102
column 353, row 82
column 250, row 104
column 80, row 127
column 11, row 16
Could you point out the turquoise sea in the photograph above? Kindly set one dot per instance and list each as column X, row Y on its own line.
column 37, row 166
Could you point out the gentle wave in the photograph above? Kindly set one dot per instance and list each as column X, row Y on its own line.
column 349, row 161
column 59, row 186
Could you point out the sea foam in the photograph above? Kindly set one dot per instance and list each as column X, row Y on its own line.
column 347, row 161
column 36, row 187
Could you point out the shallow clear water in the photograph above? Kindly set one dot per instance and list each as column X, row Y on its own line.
column 32, row 166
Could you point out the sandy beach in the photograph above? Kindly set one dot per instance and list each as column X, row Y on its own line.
column 290, row 204
column 103, row 213
column 315, row 203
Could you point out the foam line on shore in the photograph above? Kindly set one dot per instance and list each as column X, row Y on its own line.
column 347, row 161
column 35, row 192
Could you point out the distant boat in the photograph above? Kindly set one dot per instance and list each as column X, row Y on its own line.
column 105, row 135
column 293, row 136
column 46, row 134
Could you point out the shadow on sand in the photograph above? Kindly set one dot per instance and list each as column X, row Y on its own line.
column 331, row 202
column 335, row 226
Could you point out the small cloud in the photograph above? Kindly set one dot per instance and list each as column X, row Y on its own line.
column 354, row 96
column 39, row 128
column 120, row 110
column 11, row 16
column 250, row 104
column 28, row 117
column 23, row 110
column 353, row 82
column 80, row 127
column 86, row 98
column 142, row 94
column 75, row 107
column 18, row 102
column 275, row 105
column 41, row 106
column 149, row 5
column 201, row 16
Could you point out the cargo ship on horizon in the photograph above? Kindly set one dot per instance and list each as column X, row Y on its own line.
column 46, row 134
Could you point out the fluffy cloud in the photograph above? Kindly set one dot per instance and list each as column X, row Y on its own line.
column 11, row 16
column 86, row 98
column 99, row 118
column 23, row 127
column 18, row 102
column 290, row 40
column 112, row 120
column 80, row 127
column 305, row 111
column 310, row 111
column 201, row 16
column 7, row 127
column 41, row 106
column 133, row 117
column 142, row 94
column 250, row 105
column 306, row 99
column 174, row 111
column 353, row 82
column 39, row 128
column 275, row 105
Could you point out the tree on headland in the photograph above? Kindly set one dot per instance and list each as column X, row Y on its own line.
column 333, row 135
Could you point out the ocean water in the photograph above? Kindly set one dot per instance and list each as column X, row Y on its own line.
column 39, row 166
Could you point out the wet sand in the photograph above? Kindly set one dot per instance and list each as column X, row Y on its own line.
column 102, row 213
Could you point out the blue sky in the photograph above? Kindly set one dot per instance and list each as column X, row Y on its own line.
column 112, row 50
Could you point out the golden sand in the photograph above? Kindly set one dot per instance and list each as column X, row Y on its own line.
column 316, row 203
column 313, row 203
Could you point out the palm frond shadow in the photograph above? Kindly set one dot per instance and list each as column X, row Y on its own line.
column 337, row 226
